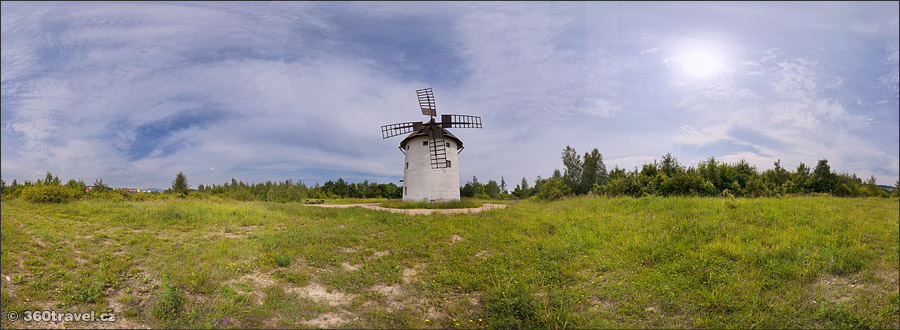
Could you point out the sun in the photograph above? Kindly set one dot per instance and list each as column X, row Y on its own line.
column 700, row 60
column 701, row 64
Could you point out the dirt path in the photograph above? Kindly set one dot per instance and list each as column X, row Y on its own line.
column 375, row 206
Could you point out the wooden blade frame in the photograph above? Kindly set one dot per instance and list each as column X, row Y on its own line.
column 426, row 101
column 460, row 121
column 392, row 130
column 436, row 147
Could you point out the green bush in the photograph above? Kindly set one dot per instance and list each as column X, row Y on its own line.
column 47, row 194
column 171, row 302
column 554, row 189
column 282, row 260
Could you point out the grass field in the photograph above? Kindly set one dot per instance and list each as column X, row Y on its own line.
column 810, row 262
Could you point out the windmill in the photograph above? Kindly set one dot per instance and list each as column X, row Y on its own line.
column 431, row 172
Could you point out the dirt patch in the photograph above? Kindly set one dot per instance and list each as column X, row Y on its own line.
column 394, row 294
column 375, row 206
column 890, row 276
column 484, row 254
column 234, row 235
column 320, row 293
column 349, row 250
column 348, row 266
column 379, row 254
column 388, row 290
column 410, row 274
column 838, row 289
column 256, row 280
column 329, row 320
column 341, row 206
column 603, row 304
column 455, row 239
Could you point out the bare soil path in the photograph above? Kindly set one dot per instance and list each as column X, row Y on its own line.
column 375, row 206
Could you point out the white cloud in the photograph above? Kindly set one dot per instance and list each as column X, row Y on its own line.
column 270, row 90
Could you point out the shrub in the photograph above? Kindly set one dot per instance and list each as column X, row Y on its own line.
column 282, row 260
column 554, row 189
column 171, row 302
column 47, row 194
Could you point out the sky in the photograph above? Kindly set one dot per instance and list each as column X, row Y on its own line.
column 133, row 93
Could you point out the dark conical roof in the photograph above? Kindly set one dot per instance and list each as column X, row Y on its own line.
column 424, row 132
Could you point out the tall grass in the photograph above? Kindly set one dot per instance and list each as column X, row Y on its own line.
column 806, row 262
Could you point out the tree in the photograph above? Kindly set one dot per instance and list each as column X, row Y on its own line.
column 822, row 178
column 502, row 185
column 270, row 195
column 99, row 186
column 492, row 189
column 572, row 161
column 669, row 165
column 616, row 173
column 525, row 191
column 801, row 178
column 180, row 185
column 593, row 172
column 553, row 189
column 780, row 174
column 51, row 180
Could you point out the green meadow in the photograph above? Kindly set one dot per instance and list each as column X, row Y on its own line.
column 793, row 262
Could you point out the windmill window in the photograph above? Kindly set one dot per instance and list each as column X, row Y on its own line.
column 404, row 190
column 424, row 143
column 448, row 164
column 407, row 165
column 448, row 144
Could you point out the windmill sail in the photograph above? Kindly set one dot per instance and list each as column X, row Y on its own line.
column 436, row 147
column 460, row 121
column 426, row 101
column 392, row 130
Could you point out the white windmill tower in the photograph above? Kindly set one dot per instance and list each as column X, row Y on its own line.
column 431, row 170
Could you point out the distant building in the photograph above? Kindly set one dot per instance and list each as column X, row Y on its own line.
column 134, row 190
column 887, row 188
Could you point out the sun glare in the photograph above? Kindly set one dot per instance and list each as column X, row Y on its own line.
column 699, row 59
column 701, row 64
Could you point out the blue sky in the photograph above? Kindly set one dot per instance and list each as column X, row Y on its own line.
column 135, row 92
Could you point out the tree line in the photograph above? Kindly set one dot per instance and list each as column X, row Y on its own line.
column 50, row 189
column 587, row 175
column 290, row 191
column 581, row 175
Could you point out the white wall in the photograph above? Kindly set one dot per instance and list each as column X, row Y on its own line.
column 421, row 182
